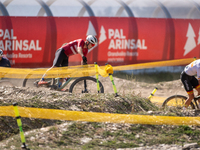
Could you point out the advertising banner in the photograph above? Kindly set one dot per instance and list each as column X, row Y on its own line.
column 31, row 42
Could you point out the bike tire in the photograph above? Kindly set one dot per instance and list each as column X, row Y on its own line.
column 78, row 85
column 177, row 102
column 28, row 82
column 6, row 83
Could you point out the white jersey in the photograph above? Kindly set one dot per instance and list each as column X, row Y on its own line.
column 193, row 69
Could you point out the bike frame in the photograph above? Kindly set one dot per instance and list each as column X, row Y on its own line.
column 85, row 90
column 195, row 101
column 64, row 84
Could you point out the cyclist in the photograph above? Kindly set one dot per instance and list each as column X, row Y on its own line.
column 78, row 46
column 190, row 81
column 4, row 62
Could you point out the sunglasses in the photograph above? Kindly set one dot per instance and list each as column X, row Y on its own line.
column 92, row 44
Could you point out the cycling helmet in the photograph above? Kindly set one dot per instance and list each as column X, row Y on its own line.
column 1, row 52
column 92, row 39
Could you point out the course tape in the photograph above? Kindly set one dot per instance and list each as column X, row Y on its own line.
column 56, row 114
column 80, row 71
column 177, row 62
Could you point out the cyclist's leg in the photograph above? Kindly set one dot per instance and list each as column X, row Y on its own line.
column 197, row 87
column 189, row 100
column 198, row 90
column 61, row 60
column 63, row 64
column 59, row 56
column 186, row 80
column 42, row 80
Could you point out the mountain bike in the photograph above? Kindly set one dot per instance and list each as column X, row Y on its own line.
column 178, row 101
column 77, row 85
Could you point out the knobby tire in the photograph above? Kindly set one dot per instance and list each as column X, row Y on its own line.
column 172, row 99
column 81, row 81
column 5, row 83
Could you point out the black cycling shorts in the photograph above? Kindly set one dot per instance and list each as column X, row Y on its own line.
column 189, row 82
column 61, row 59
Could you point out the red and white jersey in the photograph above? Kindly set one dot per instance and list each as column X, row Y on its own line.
column 71, row 48
column 193, row 69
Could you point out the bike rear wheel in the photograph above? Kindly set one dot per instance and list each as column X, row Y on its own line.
column 176, row 102
column 5, row 83
column 85, row 85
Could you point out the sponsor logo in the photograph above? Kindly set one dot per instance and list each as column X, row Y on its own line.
column 118, row 41
column 119, row 45
column 10, row 42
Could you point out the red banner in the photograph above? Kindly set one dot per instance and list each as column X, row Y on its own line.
column 32, row 41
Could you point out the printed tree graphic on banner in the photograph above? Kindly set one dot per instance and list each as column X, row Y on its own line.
column 91, row 30
column 102, row 35
column 199, row 37
column 190, row 43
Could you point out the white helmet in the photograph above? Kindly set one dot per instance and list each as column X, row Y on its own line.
column 1, row 52
column 92, row 39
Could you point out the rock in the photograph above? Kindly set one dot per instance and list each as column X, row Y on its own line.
column 189, row 146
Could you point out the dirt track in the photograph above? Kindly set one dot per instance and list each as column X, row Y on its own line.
column 44, row 135
column 165, row 89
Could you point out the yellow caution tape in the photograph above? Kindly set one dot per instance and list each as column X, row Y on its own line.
column 109, row 69
column 177, row 62
column 102, row 71
column 80, row 71
column 97, row 117
column 7, row 111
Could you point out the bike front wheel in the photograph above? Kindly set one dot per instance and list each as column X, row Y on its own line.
column 86, row 85
column 176, row 102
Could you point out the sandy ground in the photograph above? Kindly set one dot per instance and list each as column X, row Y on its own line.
column 165, row 89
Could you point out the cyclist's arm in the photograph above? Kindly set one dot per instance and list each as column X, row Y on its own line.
column 198, row 75
column 80, row 51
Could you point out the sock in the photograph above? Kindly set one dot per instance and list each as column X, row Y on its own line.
column 42, row 79
column 59, row 84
